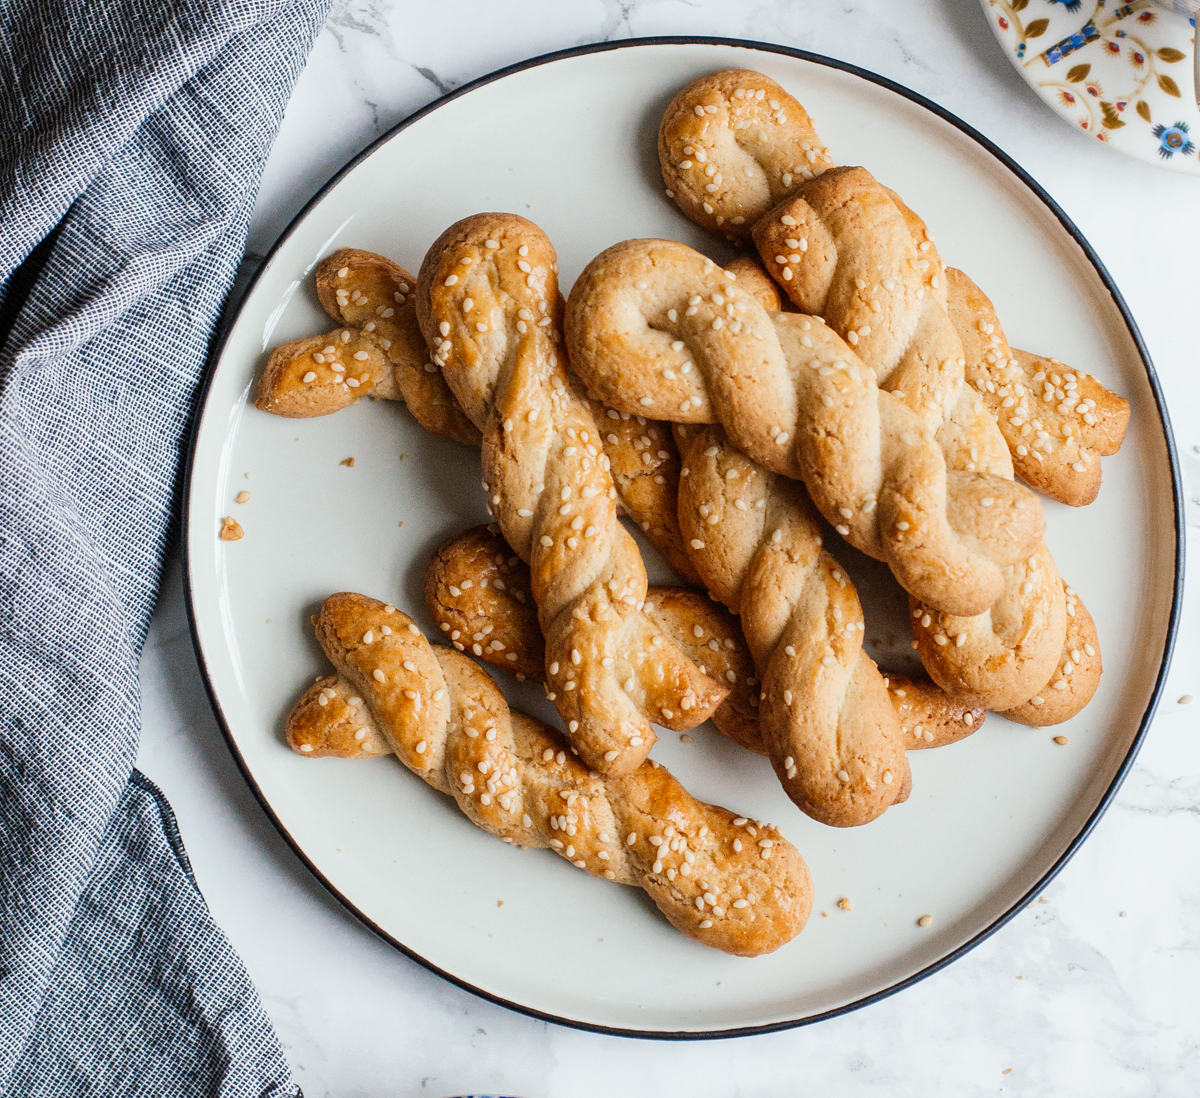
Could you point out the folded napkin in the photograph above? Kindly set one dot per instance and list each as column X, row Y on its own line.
column 133, row 136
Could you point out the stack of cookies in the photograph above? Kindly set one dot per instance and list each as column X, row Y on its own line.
column 839, row 374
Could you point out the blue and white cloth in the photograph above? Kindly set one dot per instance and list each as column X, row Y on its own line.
column 132, row 138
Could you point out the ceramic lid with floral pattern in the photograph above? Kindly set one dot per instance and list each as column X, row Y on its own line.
column 1121, row 72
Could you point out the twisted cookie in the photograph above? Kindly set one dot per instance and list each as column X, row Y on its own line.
column 862, row 274
column 486, row 301
column 477, row 592
column 1057, row 421
column 826, row 721
column 728, row 882
column 379, row 351
column 734, row 144
column 655, row 327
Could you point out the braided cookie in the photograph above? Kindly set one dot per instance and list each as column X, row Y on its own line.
column 730, row 883
column 861, row 272
column 727, row 161
column 477, row 592
column 733, row 144
column 655, row 327
column 379, row 351
column 1057, row 421
column 486, row 300
column 827, row 724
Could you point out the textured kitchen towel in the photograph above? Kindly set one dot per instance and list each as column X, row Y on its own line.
column 132, row 137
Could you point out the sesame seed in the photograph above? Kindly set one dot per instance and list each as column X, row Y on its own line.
column 378, row 675
column 843, row 775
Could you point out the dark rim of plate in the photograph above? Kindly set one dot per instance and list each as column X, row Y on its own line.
column 233, row 310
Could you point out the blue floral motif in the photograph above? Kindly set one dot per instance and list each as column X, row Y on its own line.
column 1070, row 5
column 1173, row 139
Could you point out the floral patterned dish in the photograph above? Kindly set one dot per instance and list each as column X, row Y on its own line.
column 1121, row 72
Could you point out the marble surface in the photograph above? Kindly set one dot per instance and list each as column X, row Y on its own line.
column 1091, row 992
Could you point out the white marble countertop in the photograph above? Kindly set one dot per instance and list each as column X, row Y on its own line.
column 1090, row 993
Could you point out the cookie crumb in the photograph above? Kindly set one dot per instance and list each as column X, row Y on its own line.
column 844, row 903
column 1062, row 741
column 685, row 738
column 403, row 457
column 499, row 903
column 1187, row 699
column 925, row 920
column 230, row 530
column 242, row 497
column 401, row 522
column 824, row 914
column 349, row 463
column 1006, row 1071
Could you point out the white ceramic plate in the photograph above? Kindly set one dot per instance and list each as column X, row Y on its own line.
column 569, row 142
column 1121, row 72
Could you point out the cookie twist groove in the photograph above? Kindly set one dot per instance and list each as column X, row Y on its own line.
column 488, row 305
column 728, row 882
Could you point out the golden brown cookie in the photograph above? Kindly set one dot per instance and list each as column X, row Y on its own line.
column 487, row 302
column 726, row 881
column 1058, row 422
column 379, row 351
